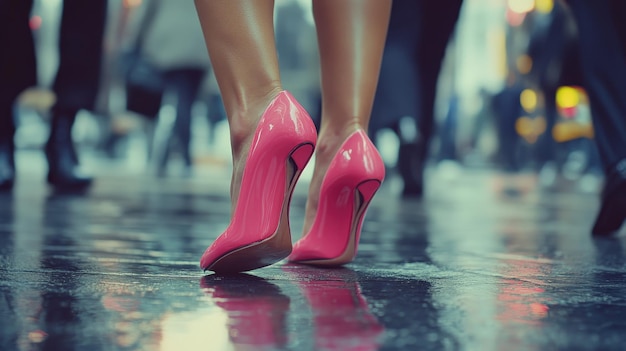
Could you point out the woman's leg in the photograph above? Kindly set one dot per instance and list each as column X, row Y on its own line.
column 240, row 39
column 351, row 35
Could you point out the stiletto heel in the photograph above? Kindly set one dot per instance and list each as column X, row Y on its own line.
column 258, row 234
column 353, row 177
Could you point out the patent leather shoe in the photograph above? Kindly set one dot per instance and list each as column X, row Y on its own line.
column 353, row 177
column 258, row 234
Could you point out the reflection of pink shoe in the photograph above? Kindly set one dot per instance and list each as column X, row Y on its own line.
column 256, row 309
column 354, row 175
column 342, row 319
column 258, row 234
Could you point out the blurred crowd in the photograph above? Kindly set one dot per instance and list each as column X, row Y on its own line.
column 464, row 83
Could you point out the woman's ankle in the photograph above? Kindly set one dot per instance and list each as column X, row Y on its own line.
column 331, row 137
column 245, row 116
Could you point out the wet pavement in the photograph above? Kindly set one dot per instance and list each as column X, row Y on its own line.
column 473, row 266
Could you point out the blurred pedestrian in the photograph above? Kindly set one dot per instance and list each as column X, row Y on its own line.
column 602, row 41
column 419, row 32
column 553, row 49
column 75, row 86
column 507, row 109
column 166, row 35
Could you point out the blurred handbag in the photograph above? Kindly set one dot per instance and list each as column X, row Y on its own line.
column 143, row 81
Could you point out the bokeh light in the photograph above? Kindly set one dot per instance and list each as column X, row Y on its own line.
column 35, row 22
column 132, row 3
column 521, row 6
column 567, row 97
column 544, row 6
column 524, row 64
column 530, row 128
column 528, row 100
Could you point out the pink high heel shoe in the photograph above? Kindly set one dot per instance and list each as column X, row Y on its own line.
column 354, row 175
column 258, row 234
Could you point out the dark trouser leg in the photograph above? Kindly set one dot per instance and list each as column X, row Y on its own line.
column 397, row 99
column 80, row 54
column 547, row 145
column 601, row 30
column 604, row 66
column 438, row 21
column 17, row 72
column 397, row 89
column 185, row 84
column 7, row 161
column 76, row 85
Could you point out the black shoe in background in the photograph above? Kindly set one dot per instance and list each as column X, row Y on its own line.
column 411, row 168
column 613, row 202
column 7, row 165
column 64, row 172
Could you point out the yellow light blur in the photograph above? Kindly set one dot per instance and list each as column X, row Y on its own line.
column 524, row 64
column 566, row 131
column 530, row 128
column 521, row 6
column 497, row 40
column 567, row 97
column 544, row 6
column 528, row 100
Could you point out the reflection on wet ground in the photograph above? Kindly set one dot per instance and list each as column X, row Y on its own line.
column 469, row 267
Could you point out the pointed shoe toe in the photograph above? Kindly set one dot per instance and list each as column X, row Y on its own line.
column 258, row 234
column 353, row 177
